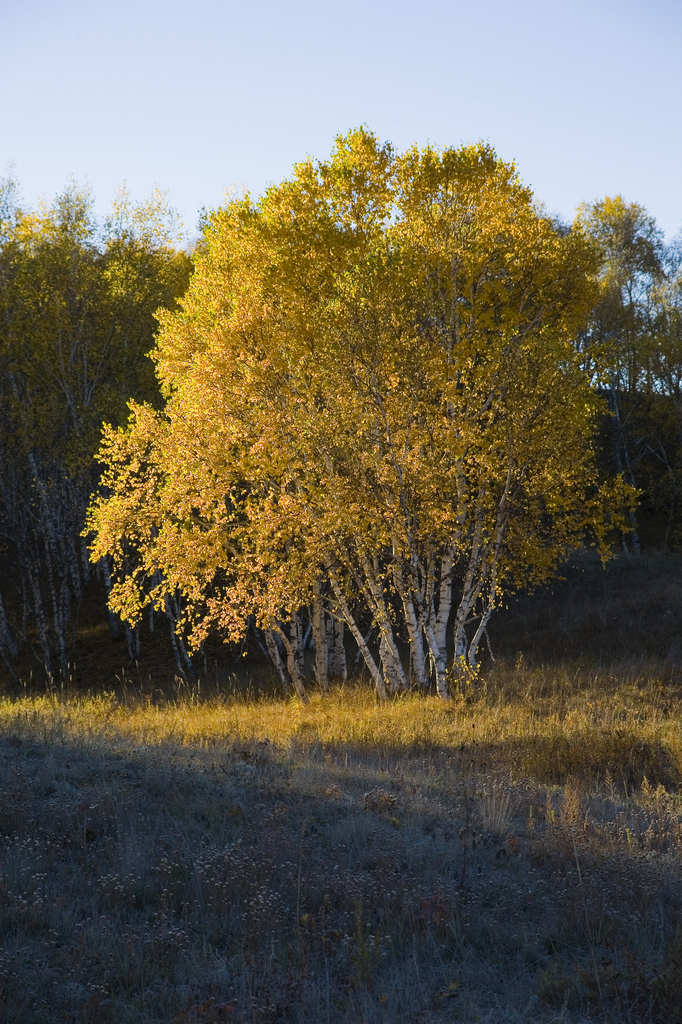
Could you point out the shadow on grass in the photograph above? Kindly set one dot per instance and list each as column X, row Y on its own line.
column 175, row 882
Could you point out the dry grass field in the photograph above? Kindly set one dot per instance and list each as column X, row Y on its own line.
column 512, row 856
column 219, row 853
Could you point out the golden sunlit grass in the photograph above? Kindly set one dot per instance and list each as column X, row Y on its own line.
column 579, row 727
column 347, row 715
column 512, row 855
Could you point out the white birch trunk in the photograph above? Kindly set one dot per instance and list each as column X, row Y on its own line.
column 179, row 649
column 297, row 642
column 292, row 647
column 383, row 619
column 442, row 617
column 112, row 618
column 393, row 673
column 439, row 662
column 133, row 641
column 56, row 601
column 390, row 658
column 173, row 635
column 492, row 593
column 417, row 652
column 464, row 613
column 476, row 638
column 6, row 639
column 320, row 639
column 85, row 559
column 481, row 573
column 471, row 589
column 339, row 669
column 8, row 648
column 357, row 636
column 276, row 658
column 414, row 630
column 41, row 624
column 155, row 582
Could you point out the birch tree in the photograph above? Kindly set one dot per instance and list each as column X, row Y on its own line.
column 631, row 273
column 373, row 403
column 76, row 323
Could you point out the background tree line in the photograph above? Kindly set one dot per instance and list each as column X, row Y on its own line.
column 77, row 307
column 394, row 392
column 636, row 327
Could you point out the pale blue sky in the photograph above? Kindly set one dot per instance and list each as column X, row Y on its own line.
column 585, row 96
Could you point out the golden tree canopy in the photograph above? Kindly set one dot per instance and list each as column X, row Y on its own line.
column 373, row 370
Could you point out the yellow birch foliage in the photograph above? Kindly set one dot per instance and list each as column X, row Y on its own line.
column 373, row 362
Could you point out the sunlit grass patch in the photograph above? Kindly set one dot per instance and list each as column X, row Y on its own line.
column 545, row 736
